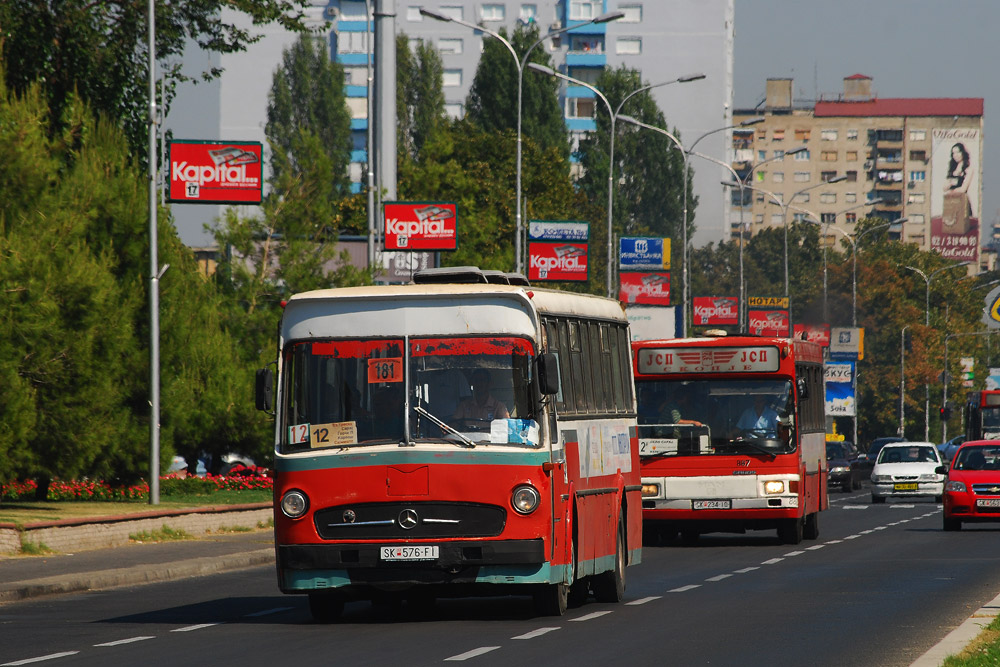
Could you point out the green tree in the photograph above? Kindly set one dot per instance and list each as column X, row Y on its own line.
column 419, row 96
column 648, row 167
column 307, row 98
column 492, row 101
column 98, row 50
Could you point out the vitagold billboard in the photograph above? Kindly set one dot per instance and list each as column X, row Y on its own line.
column 215, row 172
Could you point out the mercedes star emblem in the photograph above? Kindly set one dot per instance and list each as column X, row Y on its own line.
column 407, row 519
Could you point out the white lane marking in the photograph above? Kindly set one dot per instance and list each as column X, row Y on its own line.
column 719, row 577
column 852, row 537
column 535, row 633
column 794, row 553
column 880, row 527
column 815, row 547
column 866, row 532
column 590, row 617
column 476, row 652
column 902, row 507
column 194, row 627
column 634, row 603
column 125, row 641
column 834, row 541
column 856, row 507
column 267, row 612
column 772, row 561
column 51, row 656
column 684, row 589
column 746, row 569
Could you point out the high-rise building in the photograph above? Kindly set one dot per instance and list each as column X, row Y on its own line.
column 844, row 157
column 663, row 39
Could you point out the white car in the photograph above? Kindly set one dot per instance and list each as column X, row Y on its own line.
column 906, row 469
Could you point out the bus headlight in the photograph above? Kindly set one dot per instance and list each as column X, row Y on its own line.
column 650, row 490
column 525, row 499
column 294, row 504
column 774, row 486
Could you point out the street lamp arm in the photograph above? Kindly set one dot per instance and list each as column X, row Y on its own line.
column 565, row 77
column 668, row 135
column 746, row 123
column 444, row 18
column 681, row 79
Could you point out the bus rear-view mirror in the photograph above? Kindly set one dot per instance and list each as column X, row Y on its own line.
column 264, row 389
column 548, row 374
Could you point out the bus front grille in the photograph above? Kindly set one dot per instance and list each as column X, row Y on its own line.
column 409, row 520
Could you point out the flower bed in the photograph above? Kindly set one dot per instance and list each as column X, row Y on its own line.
column 99, row 490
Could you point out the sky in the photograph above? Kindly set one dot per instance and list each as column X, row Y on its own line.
column 910, row 48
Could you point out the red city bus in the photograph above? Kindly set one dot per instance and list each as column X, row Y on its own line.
column 731, row 436
column 982, row 415
column 440, row 439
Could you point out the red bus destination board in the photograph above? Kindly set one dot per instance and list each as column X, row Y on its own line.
column 215, row 172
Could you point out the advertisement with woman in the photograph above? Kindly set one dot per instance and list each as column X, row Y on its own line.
column 955, row 193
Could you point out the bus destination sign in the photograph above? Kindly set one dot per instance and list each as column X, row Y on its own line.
column 757, row 359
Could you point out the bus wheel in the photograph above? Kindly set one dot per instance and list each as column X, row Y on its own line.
column 689, row 536
column 811, row 530
column 552, row 599
column 790, row 531
column 579, row 589
column 325, row 607
column 610, row 586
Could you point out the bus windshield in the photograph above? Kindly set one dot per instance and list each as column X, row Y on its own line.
column 469, row 391
column 715, row 417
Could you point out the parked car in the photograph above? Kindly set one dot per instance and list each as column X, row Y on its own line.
column 844, row 467
column 907, row 469
column 868, row 457
column 949, row 448
column 972, row 492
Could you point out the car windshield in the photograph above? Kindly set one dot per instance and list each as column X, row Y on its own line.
column 835, row 451
column 908, row 454
column 978, row 458
column 468, row 391
column 715, row 417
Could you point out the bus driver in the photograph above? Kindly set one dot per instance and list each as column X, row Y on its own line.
column 481, row 406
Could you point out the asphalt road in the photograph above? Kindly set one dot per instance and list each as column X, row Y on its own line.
column 881, row 585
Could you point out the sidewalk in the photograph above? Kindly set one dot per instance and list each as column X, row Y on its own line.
column 124, row 563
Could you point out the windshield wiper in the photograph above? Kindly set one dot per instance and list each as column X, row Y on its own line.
column 446, row 427
column 753, row 445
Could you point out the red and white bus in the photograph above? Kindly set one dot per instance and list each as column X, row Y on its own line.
column 444, row 439
column 982, row 415
column 731, row 436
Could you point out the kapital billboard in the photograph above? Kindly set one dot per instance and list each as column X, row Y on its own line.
column 651, row 289
column 557, row 261
column 768, row 322
column 716, row 310
column 420, row 225
column 215, row 172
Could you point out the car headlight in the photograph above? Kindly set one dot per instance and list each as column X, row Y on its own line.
column 774, row 486
column 525, row 499
column 840, row 469
column 877, row 479
column 930, row 477
column 294, row 504
column 650, row 490
column 955, row 487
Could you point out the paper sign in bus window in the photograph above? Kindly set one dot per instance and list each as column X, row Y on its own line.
column 298, row 434
column 388, row 369
column 333, row 435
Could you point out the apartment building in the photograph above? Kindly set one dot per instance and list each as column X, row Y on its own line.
column 843, row 157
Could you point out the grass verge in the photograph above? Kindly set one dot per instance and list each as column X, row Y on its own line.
column 984, row 651
column 164, row 534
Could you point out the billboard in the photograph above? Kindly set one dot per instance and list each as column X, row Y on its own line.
column 643, row 254
column 420, row 225
column 817, row 333
column 651, row 289
column 653, row 322
column 716, row 310
column 956, row 201
column 768, row 322
column 847, row 343
column 214, row 172
column 558, row 230
column 557, row 261
column 838, row 376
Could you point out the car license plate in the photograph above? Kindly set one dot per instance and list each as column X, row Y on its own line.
column 988, row 502
column 711, row 504
column 908, row 486
column 410, row 553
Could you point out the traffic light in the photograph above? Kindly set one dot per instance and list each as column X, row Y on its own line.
column 946, row 412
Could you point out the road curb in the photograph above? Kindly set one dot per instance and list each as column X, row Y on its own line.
column 960, row 637
column 135, row 575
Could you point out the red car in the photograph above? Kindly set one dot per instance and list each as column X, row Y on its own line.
column 972, row 490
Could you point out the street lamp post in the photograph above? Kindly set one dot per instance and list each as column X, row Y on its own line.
column 902, row 381
column 870, row 202
column 927, row 322
column 614, row 115
column 944, row 375
column 520, row 62
column 784, row 222
column 686, row 152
